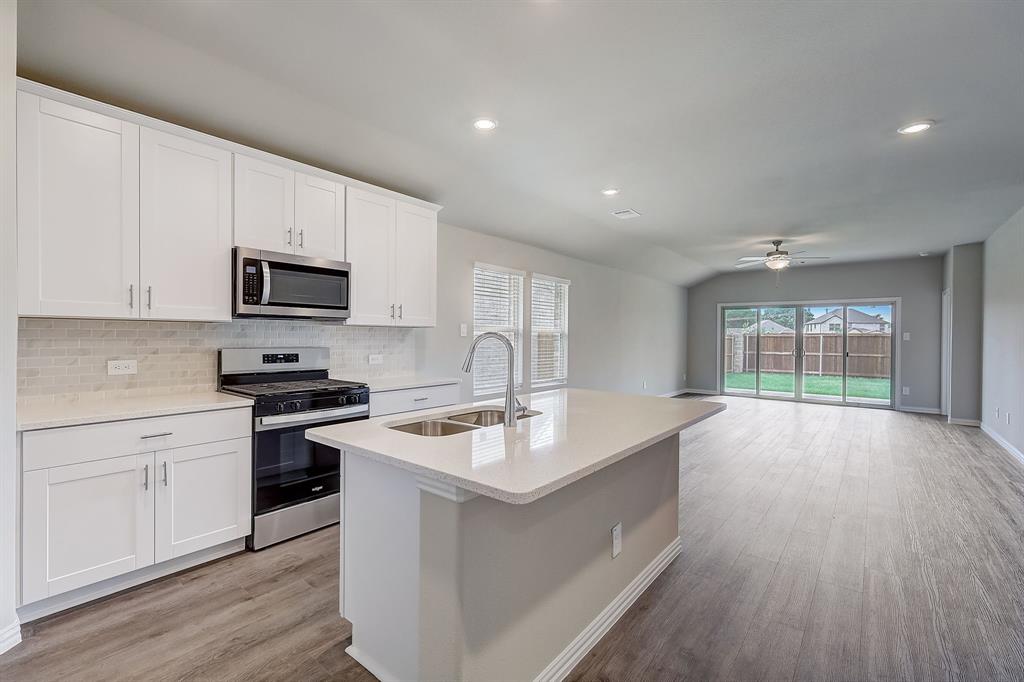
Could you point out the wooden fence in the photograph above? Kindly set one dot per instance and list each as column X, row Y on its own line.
column 870, row 354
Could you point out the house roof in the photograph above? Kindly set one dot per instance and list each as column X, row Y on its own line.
column 856, row 317
column 769, row 327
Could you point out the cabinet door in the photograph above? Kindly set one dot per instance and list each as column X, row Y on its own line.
column 204, row 496
column 416, row 266
column 319, row 217
column 264, row 205
column 370, row 247
column 83, row 523
column 186, row 229
column 78, row 211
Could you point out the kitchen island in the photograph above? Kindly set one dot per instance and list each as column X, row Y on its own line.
column 487, row 553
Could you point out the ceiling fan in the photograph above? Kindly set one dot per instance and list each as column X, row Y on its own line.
column 777, row 259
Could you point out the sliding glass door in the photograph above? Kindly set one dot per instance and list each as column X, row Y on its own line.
column 831, row 352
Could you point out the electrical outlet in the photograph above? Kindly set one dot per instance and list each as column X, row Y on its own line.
column 906, row 390
column 616, row 539
column 116, row 367
column 645, row 384
column 463, row 329
column 375, row 359
column 906, row 336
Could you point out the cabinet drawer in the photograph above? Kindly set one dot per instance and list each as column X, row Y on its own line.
column 74, row 444
column 409, row 399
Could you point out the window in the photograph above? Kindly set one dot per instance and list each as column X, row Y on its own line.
column 497, row 307
column 835, row 327
column 549, row 330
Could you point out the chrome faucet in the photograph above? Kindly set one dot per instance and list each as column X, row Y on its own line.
column 513, row 408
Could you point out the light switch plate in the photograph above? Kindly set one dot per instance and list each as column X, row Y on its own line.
column 375, row 359
column 118, row 367
column 617, row 539
column 906, row 390
column 463, row 329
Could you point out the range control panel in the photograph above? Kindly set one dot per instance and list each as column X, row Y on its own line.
column 279, row 358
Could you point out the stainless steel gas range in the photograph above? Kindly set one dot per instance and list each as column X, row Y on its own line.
column 296, row 482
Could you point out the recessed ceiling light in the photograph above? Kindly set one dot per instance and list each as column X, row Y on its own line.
column 610, row 192
column 485, row 124
column 915, row 127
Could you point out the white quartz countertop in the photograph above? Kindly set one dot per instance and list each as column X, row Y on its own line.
column 48, row 415
column 382, row 384
column 576, row 433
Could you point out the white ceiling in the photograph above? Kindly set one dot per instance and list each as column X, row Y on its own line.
column 724, row 124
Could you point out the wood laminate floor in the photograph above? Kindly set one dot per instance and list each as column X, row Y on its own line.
column 819, row 543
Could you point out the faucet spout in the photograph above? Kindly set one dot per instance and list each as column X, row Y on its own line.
column 511, row 403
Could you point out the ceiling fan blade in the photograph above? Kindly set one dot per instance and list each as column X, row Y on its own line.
column 793, row 253
column 750, row 258
column 813, row 258
column 750, row 263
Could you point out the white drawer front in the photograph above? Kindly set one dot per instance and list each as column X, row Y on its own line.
column 409, row 399
column 74, row 444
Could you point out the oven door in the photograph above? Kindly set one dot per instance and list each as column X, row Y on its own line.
column 269, row 284
column 287, row 468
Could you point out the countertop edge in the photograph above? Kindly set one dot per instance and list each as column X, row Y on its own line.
column 516, row 497
column 236, row 402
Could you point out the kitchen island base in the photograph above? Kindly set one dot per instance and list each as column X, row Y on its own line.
column 440, row 583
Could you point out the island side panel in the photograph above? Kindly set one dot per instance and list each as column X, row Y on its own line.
column 528, row 579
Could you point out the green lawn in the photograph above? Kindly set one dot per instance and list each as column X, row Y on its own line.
column 856, row 387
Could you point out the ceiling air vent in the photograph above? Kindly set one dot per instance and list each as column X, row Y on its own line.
column 626, row 214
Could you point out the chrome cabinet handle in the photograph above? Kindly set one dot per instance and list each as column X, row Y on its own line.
column 392, row 311
column 131, row 296
column 145, row 480
column 399, row 311
column 165, row 473
column 289, row 236
column 149, row 297
column 158, row 435
column 417, row 400
column 301, row 244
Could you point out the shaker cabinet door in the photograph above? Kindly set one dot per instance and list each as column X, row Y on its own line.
column 185, row 229
column 416, row 266
column 83, row 523
column 370, row 229
column 78, row 211
column 264, row 205
column 319, row 217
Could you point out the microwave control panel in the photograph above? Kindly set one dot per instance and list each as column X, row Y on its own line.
column 250, row 283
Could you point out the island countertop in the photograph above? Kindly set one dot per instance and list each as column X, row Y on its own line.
column 577, row 432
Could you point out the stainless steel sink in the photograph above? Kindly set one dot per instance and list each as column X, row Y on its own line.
column 488, row 417
column 433, row 427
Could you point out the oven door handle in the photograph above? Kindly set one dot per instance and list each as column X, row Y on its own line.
column 277, row 421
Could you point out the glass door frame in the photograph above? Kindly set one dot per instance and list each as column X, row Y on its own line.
column 895, row 356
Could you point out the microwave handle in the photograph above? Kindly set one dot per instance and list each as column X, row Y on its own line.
column 265, row 295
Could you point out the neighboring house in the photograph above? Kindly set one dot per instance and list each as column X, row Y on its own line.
column 769, row 327
column 831, row 322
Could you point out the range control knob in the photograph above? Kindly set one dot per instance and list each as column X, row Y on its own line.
column 294, row 406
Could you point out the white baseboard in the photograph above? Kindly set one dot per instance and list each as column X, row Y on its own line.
column 10, row 636
column 922, row 410
column 1007, row 445
column 965, row 422
column 563, row 664
column 67, row 600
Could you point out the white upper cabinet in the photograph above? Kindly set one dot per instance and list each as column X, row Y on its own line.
column 185, row 229
column 202, row 496
column 319, row 217
column 78, row 211
column 416, row 266
column 370, row 225
column 264, row 205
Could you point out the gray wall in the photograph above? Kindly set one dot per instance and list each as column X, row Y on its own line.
column 623, row 328
column 963, row 277
column 918, row 281
column 9, row 632
column 1003, row 360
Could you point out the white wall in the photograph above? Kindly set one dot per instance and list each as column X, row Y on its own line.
column 918, row 281
column 963, row 275
column 1003, row 354
column 10, row 633
column 623, row 328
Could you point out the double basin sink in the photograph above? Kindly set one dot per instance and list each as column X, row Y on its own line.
column 459, row 423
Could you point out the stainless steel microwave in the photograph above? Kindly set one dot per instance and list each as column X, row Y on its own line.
column 269, row 284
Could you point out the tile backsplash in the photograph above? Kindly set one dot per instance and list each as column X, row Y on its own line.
column 64, row 358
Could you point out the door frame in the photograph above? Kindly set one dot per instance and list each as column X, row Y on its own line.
column 895, row 402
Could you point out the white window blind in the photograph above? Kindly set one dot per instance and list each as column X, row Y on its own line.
column 549, row 331
column 497, row 307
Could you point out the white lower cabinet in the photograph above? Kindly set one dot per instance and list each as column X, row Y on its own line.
column 202, row 496
column 91, row 512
